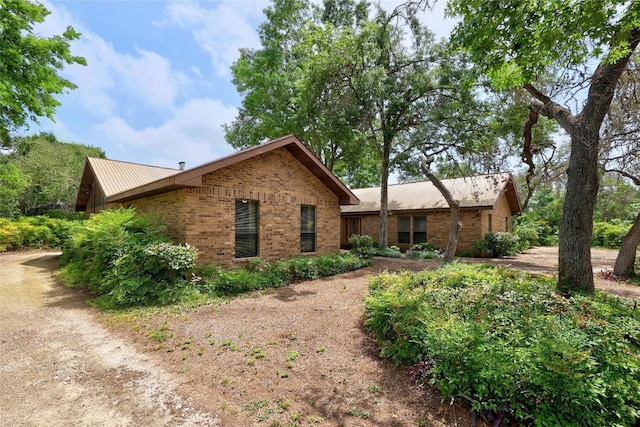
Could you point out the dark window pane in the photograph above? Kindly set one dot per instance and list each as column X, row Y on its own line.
column 307, row 228
column 246, row 228
column 404, row 229
column 419, row 229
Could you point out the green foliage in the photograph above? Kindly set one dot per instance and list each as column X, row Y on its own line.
column 505, row 341
column 609, row 234
column 390, row 252
column 263, row 274
column 12, row 184
column 52, row 170
column 124, row 260
column 423, row 250
column 30, row 64
column 276, row 100
column 617, row 199
column 363, row 245
column 522, row 40
column 34, row 233
column 499, row 244
column 534, row 232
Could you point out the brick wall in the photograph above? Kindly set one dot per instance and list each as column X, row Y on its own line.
column 475, row 224
column 205, row 216
column 500, row 216
column 168, row 208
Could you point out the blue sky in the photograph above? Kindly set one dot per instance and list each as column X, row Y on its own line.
column 157, row 88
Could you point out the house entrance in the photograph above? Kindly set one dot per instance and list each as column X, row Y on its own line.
column 350, row 226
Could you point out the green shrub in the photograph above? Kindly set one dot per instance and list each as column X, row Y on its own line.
column 262, row 274
column 124, row 259
column 390, row 252
column 34, row 233
column 527, row 237
column 423, row 246
column 535, row 232
column 423, row 250
column 609, row 234
column 364, row 245
column 498, row 244
column 508, row 343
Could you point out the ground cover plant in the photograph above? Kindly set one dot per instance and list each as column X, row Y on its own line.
column 506, row 342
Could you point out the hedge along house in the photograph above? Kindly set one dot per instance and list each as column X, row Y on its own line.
column 419, row 213
column 273, row 200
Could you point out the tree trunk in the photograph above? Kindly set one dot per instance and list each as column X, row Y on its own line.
column 454, row 205
column 575, row 272
column 625, row 262
column 383, row 239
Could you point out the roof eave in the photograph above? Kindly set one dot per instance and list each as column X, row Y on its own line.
column 164, row 185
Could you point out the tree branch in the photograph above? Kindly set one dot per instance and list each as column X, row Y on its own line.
column 548, row 108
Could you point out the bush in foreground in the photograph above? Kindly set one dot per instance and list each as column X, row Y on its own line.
column 125, row 260
column 509, row 344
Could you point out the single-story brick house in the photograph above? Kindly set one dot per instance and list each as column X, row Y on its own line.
column 273, row 200
column 418, row 212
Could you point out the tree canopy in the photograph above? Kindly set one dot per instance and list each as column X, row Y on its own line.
column 42, row 174
column 29, row 66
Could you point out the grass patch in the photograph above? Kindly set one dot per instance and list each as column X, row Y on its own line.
column 505, row 341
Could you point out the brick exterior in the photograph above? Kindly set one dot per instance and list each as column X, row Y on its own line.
column 475, row 224
column 204, row 217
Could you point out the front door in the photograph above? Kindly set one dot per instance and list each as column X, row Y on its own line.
column 350, row 226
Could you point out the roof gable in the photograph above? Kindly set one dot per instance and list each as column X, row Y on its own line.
column 130, row 188
column 115, row 176
column 481, row 191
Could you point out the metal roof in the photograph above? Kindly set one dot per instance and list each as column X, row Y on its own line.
column 122, row 181
column 116, row 177
column 480, row 191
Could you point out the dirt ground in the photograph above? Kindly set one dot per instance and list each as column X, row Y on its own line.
column 295, row 356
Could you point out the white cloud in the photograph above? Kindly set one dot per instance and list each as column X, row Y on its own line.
column 194, row 134
column 111, row 77
column 220, row 30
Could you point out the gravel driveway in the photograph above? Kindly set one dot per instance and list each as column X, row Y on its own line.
column 58, row 367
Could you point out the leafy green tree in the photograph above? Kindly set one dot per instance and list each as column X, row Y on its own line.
column 52, row 170
column 515, row 42
column 351, row 87
column 269, row 77
column 12, row 184
column 379, row 79
column 29, row 66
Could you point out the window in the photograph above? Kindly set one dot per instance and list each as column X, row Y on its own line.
column 404, row 229
column 506, row 224
column 419, row 229
column 307, row 228
column 246, row 228
column 490, row 222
